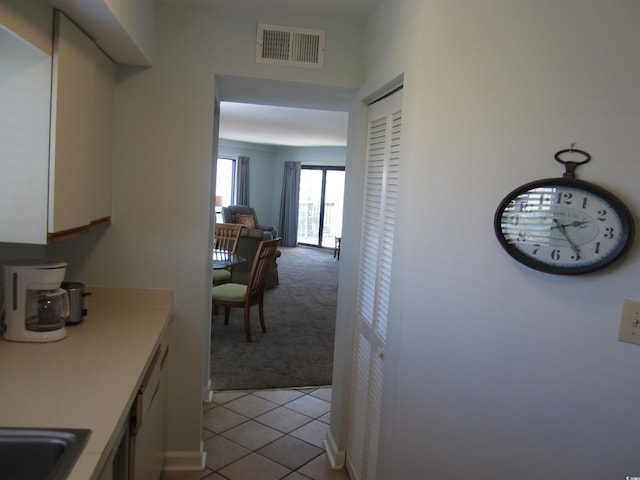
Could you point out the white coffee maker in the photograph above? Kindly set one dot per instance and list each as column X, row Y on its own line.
column 35, row 307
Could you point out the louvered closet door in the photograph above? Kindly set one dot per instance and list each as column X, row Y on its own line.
column 374, row 284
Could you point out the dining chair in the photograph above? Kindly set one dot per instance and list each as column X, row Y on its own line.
column 242, row 296
column 226, row 238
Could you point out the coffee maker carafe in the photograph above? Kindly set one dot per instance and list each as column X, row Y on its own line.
column 36, row 308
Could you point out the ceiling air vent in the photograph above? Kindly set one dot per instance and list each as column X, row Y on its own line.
column 294, row 47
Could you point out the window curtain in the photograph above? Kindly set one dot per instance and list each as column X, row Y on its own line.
column 242, row 195
column 289, row 204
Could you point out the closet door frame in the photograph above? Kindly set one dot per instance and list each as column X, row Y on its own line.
column 381, row 192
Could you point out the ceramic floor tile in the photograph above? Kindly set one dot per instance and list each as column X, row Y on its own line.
column 220, row 419
column 326, row 418
column 322, row 394
column 279, row 396
column 206, row 434
column 223, row 397
column 310, row 406
column 206, row 474
column 307, row 389
column 221, row 452
column 252, row 435
column 290, row 452
column 320, row 469
column 313, row 432
column 253, row 467
column 251, row 405
column 294, row 476
column 283, row 419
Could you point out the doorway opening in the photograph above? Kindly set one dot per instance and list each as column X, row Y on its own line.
column 267, row 158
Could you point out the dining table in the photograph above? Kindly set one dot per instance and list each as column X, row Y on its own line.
column 224, row 259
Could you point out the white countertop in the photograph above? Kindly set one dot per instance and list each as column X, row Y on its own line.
column 90, row 378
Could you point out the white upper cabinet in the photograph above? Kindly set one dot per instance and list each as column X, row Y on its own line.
column 81, row 132
column 25, row 97
column 101, row 176
column 56, row 136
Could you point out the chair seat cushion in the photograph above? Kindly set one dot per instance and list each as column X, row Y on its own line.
column 221, row 275
column 229, row 292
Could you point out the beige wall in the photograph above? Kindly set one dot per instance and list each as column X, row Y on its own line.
column 494, row 370
column 30, row 19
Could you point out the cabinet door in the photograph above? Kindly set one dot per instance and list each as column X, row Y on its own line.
column 72, row 117
column 102, row 158
column 83, row 83
column 25, row 99
column 147, row 446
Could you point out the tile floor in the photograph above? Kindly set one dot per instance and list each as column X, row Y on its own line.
column 265, row 435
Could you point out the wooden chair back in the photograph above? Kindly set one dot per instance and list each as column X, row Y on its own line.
column 262, row 262
column 226, row 236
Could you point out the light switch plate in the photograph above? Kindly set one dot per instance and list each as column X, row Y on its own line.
column 630, row 322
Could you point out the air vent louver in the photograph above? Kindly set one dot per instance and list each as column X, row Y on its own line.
column 297, row 47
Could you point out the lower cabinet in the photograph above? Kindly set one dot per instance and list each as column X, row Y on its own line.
column 140, row 451
column 147, row 435
column 117, row 464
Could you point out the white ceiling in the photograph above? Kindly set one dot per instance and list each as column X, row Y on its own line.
column 273, row 125
column 352, row 8
column 275, row 112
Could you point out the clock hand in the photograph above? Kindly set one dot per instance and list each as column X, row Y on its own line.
column 576, row 223
column 560, row 227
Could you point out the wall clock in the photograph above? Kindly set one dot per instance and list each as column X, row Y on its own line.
column 564, row 225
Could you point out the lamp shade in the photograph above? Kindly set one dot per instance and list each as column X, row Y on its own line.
column 218, row 200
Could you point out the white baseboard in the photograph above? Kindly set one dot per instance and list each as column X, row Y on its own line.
column 207, row 393
column 185, row 461
column 336, row 457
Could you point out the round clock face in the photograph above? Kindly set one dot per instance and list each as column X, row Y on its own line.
column 563, row 226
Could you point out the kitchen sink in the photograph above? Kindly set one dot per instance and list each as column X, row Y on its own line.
column 40, row 453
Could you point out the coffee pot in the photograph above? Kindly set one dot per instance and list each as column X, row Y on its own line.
column 76, row 293
column 36, row 308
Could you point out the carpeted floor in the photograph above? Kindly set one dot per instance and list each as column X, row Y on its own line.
column 297, row 350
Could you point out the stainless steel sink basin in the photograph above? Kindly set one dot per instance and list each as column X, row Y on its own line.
column 40, row 453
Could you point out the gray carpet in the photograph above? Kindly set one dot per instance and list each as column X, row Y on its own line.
column 297, row 350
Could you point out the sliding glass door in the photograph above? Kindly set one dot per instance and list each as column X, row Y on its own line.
column 321, row 204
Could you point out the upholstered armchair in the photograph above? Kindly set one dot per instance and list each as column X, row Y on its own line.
column 247, row 216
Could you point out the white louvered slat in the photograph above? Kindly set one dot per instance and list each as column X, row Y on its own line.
column 371, row 219
column 385, row 258
column 375, row 412
column 358, row 409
